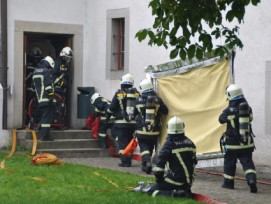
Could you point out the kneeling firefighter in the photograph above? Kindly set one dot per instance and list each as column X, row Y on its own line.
column 237, row 141
column 101, row 104
column 180, row 154
column 150, row 108
column 123, row 108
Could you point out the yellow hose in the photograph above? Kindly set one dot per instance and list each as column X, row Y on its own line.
column 14, row 142
column 34, row 146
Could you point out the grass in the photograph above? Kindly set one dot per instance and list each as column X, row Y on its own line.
column 70, row 184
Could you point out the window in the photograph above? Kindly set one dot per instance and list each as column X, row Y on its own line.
column 117, row 43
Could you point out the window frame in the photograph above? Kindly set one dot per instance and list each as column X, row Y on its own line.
column 116, row 64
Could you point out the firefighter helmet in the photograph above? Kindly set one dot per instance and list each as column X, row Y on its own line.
column 175, row 126
column 66, row 54
column 234, row 92
column 127, row 79
column 36, row 51
column 145, row 86
column 50, row 61
column 94, row 97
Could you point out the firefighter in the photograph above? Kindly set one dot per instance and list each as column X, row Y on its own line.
column 237, row 141
column 179, row 152
column 123, row 108
column 32, row 58
column 101, row 104
column 44, row 88
column 60, row 71
column 150, row 108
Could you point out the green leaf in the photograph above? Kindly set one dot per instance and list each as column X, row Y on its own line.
column 151, row 34
column 255, row 2
column 199, row 53
column 246, row 2
column 174, row 53
column 182, row 41
column 182, row 54
column 230, row 15
column 141, row 35
column 191, row 51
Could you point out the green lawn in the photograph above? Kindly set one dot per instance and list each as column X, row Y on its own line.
column 70, row 184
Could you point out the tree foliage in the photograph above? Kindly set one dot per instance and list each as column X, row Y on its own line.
column 190, row 27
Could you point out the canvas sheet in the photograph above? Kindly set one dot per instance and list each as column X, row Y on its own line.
column 198, row 97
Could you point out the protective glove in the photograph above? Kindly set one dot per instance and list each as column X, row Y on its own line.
column 159, row 176
column 107, row 115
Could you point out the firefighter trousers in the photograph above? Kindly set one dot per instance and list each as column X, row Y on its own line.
column 230, row 161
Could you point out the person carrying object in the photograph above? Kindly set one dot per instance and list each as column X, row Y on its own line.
column 123, row 108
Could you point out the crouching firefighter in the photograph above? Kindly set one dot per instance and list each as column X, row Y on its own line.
column 237, row 141
column 101, row 104
column 123, row 108
column 180, row 154
column 150, row 109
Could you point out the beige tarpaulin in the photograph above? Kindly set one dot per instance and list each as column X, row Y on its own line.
column 198, row 97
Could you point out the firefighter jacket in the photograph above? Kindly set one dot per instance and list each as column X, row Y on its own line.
column 180, row 154
column 145, row 129
column 117, row 108
column 43, row 84
column 231, row 139
column 101, row 104
column 59, row 74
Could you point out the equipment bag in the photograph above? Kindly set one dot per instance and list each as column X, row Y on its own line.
column 130, row 148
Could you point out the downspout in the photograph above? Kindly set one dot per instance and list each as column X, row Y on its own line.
column 3, row 57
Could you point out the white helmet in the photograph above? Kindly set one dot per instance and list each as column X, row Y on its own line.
column 66, row 53
column 175, row 126
column 94, row 97
column 50, row 61
column 145, row 86
column 127, row 79
column 234, row 92
column 36, row 51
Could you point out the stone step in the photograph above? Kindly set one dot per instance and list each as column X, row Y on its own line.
column 57, row 134
column 77, row 153
column 64, row 144
column 67, row 144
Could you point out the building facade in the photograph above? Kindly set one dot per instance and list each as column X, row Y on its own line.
column 102, row 36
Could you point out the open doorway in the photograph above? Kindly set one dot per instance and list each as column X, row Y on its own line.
column 36, row 47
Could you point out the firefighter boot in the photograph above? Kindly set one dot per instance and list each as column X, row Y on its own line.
column 228, row 183
column 103, row 143
column 253, row 186
column 148, row 167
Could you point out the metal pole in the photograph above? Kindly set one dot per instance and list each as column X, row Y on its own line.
column 3, row 57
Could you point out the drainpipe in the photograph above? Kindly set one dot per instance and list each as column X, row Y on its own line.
column 3, row 57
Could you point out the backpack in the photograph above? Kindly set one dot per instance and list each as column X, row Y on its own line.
column 148, row 107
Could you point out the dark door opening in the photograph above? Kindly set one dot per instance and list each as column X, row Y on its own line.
column 45, row 45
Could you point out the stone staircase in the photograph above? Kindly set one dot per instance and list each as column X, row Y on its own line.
column 66, row 144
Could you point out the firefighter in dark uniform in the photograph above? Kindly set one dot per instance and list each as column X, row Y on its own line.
column 32, row 58
column 101, row 104
column 60, row 71
column 150, row 108
column 237, row 141
column 44, row 88
column 179, row 152
column 123, row 108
